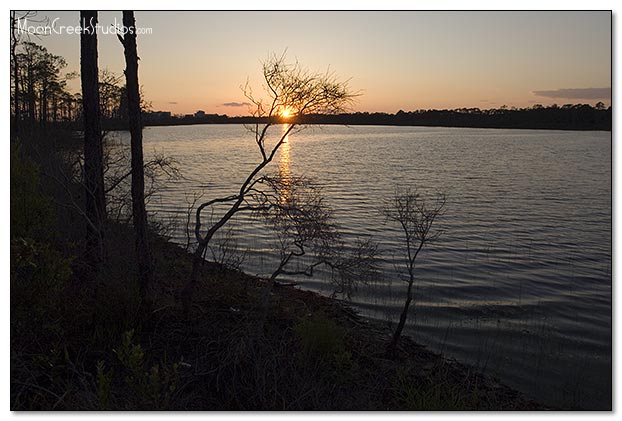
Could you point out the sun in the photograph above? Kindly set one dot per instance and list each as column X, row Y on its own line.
column 286, row 113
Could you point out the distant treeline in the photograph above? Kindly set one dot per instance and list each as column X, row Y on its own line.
column 39, row 94
column 566, row 117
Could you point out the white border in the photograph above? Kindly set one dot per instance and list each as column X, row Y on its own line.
column 315, row 5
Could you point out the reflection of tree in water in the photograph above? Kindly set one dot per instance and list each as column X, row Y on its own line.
column 285, row 173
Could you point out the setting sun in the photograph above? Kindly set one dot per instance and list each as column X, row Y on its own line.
column 286, row 113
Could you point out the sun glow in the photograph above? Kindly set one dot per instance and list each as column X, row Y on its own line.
column 286, row 113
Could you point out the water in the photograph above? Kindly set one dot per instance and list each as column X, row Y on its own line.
column 519, row 285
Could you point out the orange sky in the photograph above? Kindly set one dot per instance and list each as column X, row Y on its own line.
column 398, row 60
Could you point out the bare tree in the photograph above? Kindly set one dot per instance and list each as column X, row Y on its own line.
column 293, row 91
column 415, row 217
column 139, row 212
column 227, row 252
column 353, row 267
column 157, row 170
column 307, row 237
column 191, row 201
column 294, row 209
column 95, row 209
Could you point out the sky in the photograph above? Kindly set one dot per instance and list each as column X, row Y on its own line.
column 398, row 60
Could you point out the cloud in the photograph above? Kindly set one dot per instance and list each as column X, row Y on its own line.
column 236, row 104
column 585, row 93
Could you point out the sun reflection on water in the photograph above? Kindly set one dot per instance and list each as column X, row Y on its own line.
column 284, row 167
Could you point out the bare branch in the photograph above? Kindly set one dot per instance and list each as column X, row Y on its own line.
column 289, row 88
column 415, row 216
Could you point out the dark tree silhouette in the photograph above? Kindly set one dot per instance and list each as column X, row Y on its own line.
column 16, row 37
column 14, row 42
column 139, row 212
column 95, row 210
column 31, row 59
column 303, row 224
column 415, row 217
column 290, row 88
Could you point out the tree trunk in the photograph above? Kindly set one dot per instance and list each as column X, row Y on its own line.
column 199, row 258
column 43, row 106
column 54, row 108
column 93, row 150
column 31, row 93
column 400, row 326
column 138, row 176
column 15, row 65
column 187, row 290
column 267, row 294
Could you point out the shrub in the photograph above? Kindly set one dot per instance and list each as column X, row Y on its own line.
column 31, row 212
column 153, row 388
column 38, row 275
column 320, row 337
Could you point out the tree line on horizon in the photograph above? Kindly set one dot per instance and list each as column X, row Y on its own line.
column 39, row 93
column 569, row 116
column 565, row 117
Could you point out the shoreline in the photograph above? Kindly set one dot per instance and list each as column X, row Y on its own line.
column 370, row 334
column 84, row 341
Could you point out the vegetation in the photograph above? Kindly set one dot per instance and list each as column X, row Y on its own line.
column 39, row 91
column 71, row 349
column 565, row 117
column 39, row 88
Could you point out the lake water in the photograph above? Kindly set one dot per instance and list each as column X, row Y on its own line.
column 519, row 285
